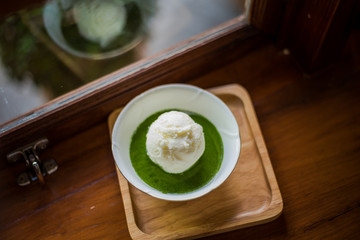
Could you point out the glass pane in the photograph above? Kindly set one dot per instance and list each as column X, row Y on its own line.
column 49, row 50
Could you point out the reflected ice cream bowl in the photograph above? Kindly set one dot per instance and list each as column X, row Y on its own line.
column 176, row 142
column 95, row 29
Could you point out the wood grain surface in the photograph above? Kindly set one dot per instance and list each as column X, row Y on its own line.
column 311, row 126
column 316, row 31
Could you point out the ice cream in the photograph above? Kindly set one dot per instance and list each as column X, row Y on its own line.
column 175, row 142
column 100, row 21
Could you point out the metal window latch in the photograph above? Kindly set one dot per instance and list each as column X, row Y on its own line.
column 36, row 168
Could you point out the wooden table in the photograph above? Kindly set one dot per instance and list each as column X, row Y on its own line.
column 310, row 123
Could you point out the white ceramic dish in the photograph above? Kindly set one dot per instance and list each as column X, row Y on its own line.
column 53, row 16
column 178, row 96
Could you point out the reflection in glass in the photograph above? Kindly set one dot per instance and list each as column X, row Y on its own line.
column 96, row 28
column 35, row 68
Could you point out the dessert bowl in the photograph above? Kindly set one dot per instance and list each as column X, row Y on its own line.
column 175, row 96
column 95, row 29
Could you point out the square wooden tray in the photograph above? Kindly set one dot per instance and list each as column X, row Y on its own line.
column 250, row 196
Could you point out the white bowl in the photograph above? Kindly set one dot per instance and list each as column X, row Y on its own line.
column 53, row 14
column 175, row 96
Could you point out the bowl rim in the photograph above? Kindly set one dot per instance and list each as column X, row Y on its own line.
column 154, row 192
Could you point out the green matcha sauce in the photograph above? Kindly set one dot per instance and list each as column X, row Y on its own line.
column 194, row 178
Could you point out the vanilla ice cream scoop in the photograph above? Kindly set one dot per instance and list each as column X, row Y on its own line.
column 100, row 21
column 175, row 142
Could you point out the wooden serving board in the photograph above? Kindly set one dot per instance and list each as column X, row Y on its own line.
column 250, row 196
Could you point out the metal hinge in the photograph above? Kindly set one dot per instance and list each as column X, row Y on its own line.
column 36, row 168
